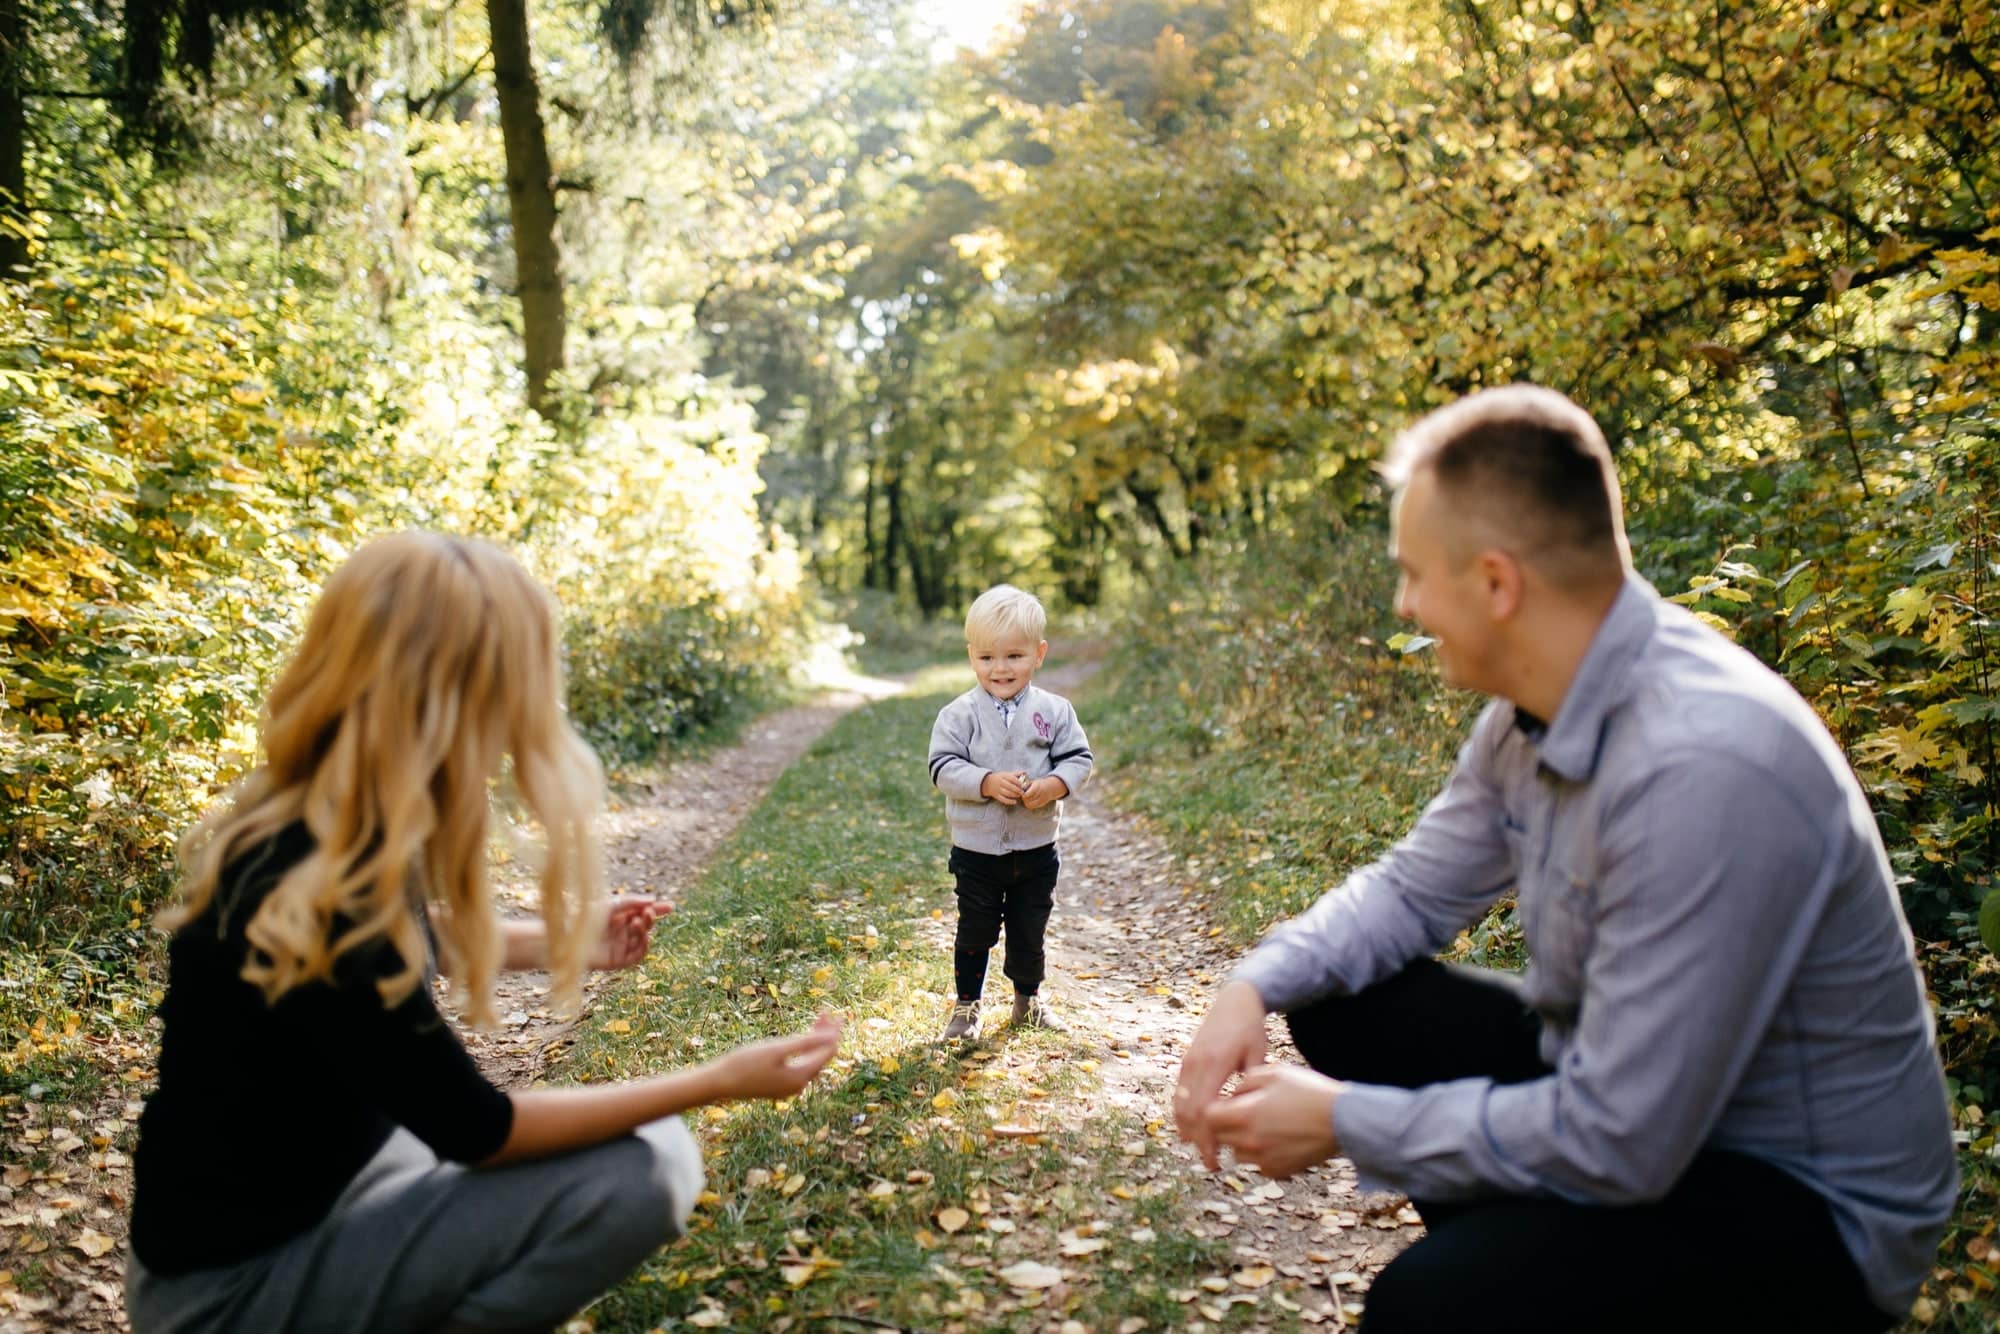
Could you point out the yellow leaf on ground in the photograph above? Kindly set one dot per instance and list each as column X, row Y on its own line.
column 890, row 1065
column 619, row 1026
column 945, row 1100
column 795, row 1183
column 94, row 1243
column 709, row 1317
column 1253, row 1276
column 952, row 1219
column 1031, row 1274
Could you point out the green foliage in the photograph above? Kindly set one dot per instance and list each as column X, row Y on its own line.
column 1257, row 714
column 215, row 385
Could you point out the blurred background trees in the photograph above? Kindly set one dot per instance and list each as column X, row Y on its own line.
column 797, row 307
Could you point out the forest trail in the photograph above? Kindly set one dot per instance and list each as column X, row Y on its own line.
column 1134, row 959
column 657, row 842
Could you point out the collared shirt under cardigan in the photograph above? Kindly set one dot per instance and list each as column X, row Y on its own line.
column 1716, row 952
column 972, row 738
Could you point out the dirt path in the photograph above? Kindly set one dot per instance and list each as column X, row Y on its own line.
column 1131, row 952
column 655, row 842
column 1134, row 958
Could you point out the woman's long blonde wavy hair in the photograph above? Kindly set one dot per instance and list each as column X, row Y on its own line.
column 427, row 660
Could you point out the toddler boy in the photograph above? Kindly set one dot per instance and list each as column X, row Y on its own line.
column 1005, row 754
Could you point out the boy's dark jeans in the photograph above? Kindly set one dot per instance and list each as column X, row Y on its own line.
column 1012, row 889
column 1735, row 1245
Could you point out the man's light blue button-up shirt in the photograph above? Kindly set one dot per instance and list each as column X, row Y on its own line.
column 1716, row 952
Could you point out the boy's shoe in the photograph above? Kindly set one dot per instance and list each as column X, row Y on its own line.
column 964, row 1023
column 1033, row 1012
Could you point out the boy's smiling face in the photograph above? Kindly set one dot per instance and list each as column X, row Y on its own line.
column 1006, row 665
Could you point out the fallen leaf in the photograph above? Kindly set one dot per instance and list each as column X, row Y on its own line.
column 1215, row 1283
column 709, row 1317
column 1031, row 1274
column 953, row 1218
column 94, row 1244
column 1253, row 1276
column 794, row 1183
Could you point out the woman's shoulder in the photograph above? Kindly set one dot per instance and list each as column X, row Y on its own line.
column 251, row 874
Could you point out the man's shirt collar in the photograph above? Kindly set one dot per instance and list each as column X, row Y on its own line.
column 1569, row 746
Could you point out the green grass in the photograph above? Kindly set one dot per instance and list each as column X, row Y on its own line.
column 834, row 1204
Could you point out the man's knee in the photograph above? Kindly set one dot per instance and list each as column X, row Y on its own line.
column 1417, row 1294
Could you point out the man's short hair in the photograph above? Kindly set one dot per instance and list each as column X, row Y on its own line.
column 1526, row 470
column 1003, row 610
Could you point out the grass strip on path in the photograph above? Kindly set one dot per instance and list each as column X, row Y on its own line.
column 929, row 1187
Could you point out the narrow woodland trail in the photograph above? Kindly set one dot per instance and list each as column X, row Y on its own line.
column 1133, row 960
column 656, row 843
column 1132, row 951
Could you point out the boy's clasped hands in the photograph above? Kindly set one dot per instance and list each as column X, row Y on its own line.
column 1017, row 788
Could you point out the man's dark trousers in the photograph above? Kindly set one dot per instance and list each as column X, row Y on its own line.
column 1735, row 1245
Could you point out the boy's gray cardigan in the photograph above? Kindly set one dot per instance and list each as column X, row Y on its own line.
column 970, row 740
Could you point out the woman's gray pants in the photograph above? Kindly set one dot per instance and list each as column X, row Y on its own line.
column 414, row 1243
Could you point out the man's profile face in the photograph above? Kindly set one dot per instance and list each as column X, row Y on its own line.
column 1446, row 597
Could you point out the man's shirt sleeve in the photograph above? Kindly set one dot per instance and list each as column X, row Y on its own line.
column 1708, row 887
column 1409, row 904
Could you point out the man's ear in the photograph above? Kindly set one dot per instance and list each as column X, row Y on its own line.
column 1502, row 581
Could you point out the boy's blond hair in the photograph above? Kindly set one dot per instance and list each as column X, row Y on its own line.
column 1004, row 609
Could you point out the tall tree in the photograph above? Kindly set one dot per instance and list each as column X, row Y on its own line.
column 531, row 198
column 13, row 135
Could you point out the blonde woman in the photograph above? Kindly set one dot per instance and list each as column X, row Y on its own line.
column 322, row 1154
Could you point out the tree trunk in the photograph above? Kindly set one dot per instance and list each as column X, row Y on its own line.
column 892, row 539
column 13, row 136
column 531, row 197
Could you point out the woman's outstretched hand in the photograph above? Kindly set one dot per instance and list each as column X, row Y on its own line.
column 780, row 1067
column 628, row 931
